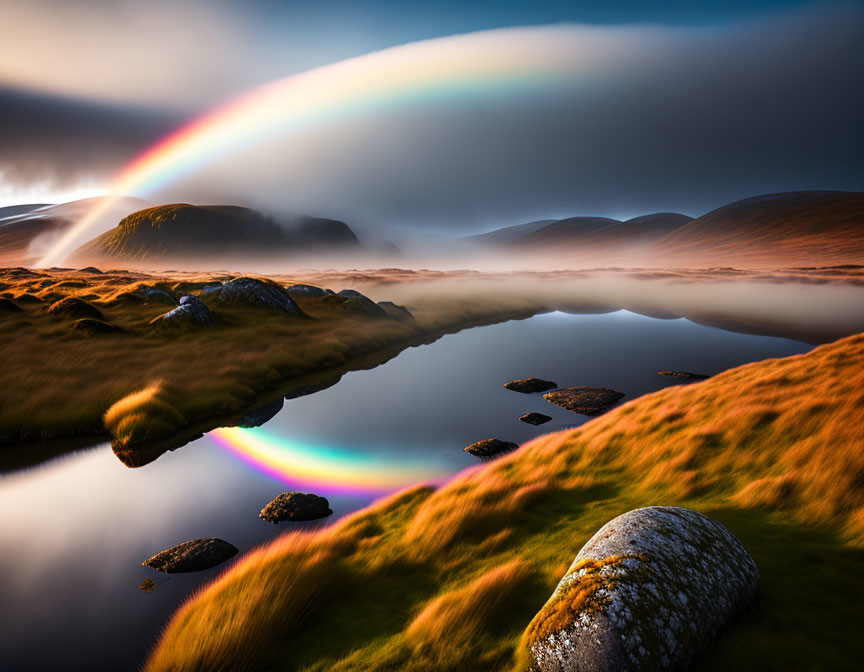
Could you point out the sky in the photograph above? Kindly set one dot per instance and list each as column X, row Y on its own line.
column 623, row 107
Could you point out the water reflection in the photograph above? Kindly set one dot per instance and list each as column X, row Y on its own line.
column 75, row 531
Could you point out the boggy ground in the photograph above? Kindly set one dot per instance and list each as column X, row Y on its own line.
column 448, row 579
column 141, row 384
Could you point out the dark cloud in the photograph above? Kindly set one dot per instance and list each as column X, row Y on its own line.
column 62, row 142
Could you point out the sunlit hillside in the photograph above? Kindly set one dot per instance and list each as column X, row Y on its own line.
column 448, row 579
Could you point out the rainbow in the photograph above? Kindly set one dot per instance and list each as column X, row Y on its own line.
column 323, row 469
column 464, row 65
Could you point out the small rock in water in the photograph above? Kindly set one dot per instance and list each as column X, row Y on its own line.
column 192, row 556
column 491, row 447
column 591, row 401
column 259, row 294
column 535, row 418
column 684, row 374
column 530, row 385
column 649, row 591
column 190, row 312
column 297, row 507
column 148, row 585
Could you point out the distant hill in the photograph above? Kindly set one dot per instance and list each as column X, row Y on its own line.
column 795, row 228
column 182, row 231
column 27, row 231
column 585, row 234
column 801, row 228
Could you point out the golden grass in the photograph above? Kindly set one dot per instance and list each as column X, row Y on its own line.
column 449, row 579
column 58, row 381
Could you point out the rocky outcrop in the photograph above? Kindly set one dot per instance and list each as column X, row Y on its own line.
column 297, row 507
column 686, row 375
column 307, row 291
column 530, row 385
column 357, row 303
column 74, row 309
column 591, row 401
column 262, row 294
column 491, row 447
column 190, row 313
column 535, row 418
column 155, row 295
column 649, row 591
column 192, row 556
column 396, row 311
column 306, row 390
column 210, row 289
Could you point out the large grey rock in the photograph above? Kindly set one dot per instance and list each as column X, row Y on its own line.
column 259, row 294
column 190, row 313
column 649, row 591
column 530, row 385
column 192, row 556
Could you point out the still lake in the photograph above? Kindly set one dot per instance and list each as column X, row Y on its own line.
column 74, row 531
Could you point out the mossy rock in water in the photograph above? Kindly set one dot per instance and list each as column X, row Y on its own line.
column 75, row 309
column 297, row 507
column 192, row 556
column 535, row 418
column 491, row 447
column 649, row 591
column 591, row 401
column 530, row 385
column 90, row 326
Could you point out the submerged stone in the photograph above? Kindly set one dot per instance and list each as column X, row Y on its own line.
column 687, row 375
column 535, row 418
column 192, row 556
column 297, row 507
column 649, row 591
column 491, row 447
column 530, row 385
column 591, row 401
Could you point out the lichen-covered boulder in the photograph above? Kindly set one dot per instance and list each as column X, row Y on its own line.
column 190, row 313
column 592, row 401
column 530, row 385
column 649, row 591
column 535, row 418
column 296, row 506
column 491, row 447
column 192, row 556
column 259, row 294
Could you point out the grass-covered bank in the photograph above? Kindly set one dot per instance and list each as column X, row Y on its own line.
column 448, row 579
column 141, row 383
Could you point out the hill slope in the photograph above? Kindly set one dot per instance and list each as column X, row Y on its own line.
column 182, row 230
column 802, row 228
column 448, row 579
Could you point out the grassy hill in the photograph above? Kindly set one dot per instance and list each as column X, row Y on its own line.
column 181, row 231
column 448, row 578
